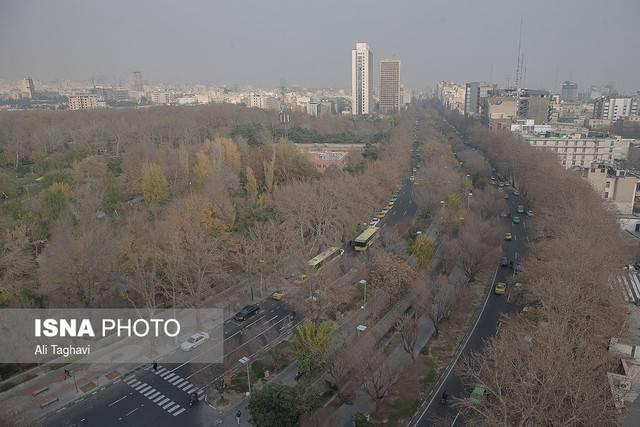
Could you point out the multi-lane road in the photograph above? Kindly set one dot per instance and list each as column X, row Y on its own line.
column 432, row 412
column 161, row 397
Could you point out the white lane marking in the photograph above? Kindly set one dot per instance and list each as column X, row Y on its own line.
column 274, row 317
column 170, row 410
column 140, row 386
column 455, row 419
column 179, row 412
column 166, row 374
column 149, row 392
column 235, row 334
column 176, row 380
column 169, row 377
column 129, row 380
column 181, row 383
column 168, row 404
column 189, row 385
column 166, row 399
column 160, row 370
column 157, row 399
column 135, row 384
column 192, row 388
column 131, row 412
column 153, row 396
column 113, row 403
column 142, row 390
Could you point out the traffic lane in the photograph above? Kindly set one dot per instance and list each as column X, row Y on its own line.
column 487, row 327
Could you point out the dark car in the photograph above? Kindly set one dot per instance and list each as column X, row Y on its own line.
column 504, row 261
column 247, row 312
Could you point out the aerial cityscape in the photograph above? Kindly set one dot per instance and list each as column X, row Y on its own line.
column 212, row 215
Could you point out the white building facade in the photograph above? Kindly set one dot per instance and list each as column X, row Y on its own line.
column 361, row 80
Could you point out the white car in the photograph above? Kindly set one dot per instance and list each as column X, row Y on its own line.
column 374, row 221
column 194, row 341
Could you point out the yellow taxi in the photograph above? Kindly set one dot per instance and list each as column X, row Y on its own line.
column 501, row 288
column 277, row 295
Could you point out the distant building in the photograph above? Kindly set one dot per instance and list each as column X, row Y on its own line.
column 27, row 89
column 86, row 101
column 260, row 100
column 390, row 96
column 111, row 94
column 161, row 97
column 325, row 155
column 569, row 91
column 451, row 95
column 617, row 186
column 474, row 94
column 534, row 105
column 190, row 99
column 136, row 83
column 361, row 80
column 501, row 111
column 578, row 150
column 614, row 108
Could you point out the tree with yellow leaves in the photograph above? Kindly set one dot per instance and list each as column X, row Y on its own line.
column 155, row 187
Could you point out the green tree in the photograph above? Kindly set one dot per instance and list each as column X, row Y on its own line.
column 55, row 200
column 310, row 344
column 422, row 248
column 277, row 405
column 111, row 194
column 250, row 184
column 155, row 187
column 454, row 201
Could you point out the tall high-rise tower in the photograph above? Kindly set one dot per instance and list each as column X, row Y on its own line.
column 390, row 98
column 27, row 88
column 361, row 79
column 136, row 82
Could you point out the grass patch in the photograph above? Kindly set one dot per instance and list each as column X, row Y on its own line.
column 402, row 410
column 431, row 372
column 88, row 387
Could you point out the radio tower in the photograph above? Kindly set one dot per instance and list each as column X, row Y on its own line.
column 519, row 60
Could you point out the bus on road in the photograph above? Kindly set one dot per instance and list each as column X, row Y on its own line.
column 362, row 242
column 324, row 257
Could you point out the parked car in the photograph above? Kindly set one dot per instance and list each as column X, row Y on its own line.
column 520, row 209
column 247, row 312
column 277, row 295
column 530, row 212
column 516, row 193
column 501, row 288
column 504, row 261
column 507, row 236
column 374, row 221
column 194, row 341
column 516, row 220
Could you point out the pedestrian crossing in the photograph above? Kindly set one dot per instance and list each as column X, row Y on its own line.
column 178, row 382
column 629, row 283
column 154, row 396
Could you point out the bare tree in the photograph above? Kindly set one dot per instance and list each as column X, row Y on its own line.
column 442, row 298
column 407, row 327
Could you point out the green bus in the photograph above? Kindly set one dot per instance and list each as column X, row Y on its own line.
column 362, row 242
column 324, row 257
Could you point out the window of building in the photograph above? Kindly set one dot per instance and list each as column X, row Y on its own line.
column 573, row 162
column 611, row 150
column 608, row 184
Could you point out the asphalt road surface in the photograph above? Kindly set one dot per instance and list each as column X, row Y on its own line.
column 432, row 411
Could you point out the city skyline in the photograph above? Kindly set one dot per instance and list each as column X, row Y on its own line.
column 225, row 45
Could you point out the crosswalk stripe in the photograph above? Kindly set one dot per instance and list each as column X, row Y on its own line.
column 170, row 410
column 635, row 284
column 162, row 402
column 130, row 379
column 166, row 374
column 180, row 383
column 179, row 412
column 160, row 370
column 191, row 388
column 176, row 380
column 153, row 396
column 628, row 284
column 170, row 377
column 135, row 383
column 149, row 392
column 140, row 386
column 169, row 404
column 189, row 385
column 142, row 390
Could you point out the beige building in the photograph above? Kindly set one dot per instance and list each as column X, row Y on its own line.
column 619, row 187
column 86, row 101
column 390, row 95
column 325, row 155
column 361, row 80
column 261, row 100
column 451, row 96
column 579, row 151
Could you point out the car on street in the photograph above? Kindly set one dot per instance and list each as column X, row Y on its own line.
column 477, row 395
column 381, row 214
column 411, row 178
column 530, row 212
column 520, row 209
column 500, row 184
column 374, row 222
column 194, row 341
column 508, row 236
column 516, row 193
column 504, row 214
column 504, row 261
column 516, row 220
column 247, row 312
column 277, row 295
column 501, row 288
column 506, row 196
column 507, row 184
column 390, row 204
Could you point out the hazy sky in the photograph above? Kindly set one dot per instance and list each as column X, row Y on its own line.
column 309, row 43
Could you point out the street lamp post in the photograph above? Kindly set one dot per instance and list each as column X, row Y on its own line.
column 364, row 303
column 245, row 361
column 468, row 198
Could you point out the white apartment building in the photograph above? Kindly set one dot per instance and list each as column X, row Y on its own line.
column 160, row 97
column 361, row 80
column 613, row 108
column 578, row 150
column 452, row 96
column 86, row 101
column 261, row 100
